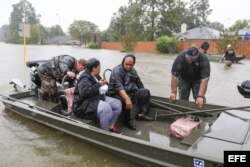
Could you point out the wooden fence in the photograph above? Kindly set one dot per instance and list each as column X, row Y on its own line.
column 149, row 47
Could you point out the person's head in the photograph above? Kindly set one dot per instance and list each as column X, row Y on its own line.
column 80, row 65
column 192, row 54
column 205, row 45
column 93, row 66
column 229, row 46
column 128, row 62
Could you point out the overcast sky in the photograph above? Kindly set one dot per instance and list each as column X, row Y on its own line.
column 101, row 11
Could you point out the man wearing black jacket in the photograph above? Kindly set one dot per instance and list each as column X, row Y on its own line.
column 126, row 85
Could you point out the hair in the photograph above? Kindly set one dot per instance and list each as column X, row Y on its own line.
column 129, row 55
column 82, row 62
column 91, row 63
column 205, row 45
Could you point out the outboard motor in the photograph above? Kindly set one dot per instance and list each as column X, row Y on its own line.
column 18, row 85
column 35, row 81
column 244, row 89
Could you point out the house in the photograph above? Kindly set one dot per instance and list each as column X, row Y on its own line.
column 198, row 33
column 244, row 33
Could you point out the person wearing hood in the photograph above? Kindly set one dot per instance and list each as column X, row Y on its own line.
column 53, row 70
column 190, row 71
column 204, row 47
column 90, row 100
column 229, row 56
column 126, row 85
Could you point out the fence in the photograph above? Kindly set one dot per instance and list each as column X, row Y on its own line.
column 149, row 47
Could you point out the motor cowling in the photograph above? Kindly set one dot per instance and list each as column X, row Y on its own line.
column 244, row 89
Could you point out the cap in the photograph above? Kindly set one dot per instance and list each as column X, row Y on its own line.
column 93, row 62
column 192, row 51
column 229, row 46
column 205, row 45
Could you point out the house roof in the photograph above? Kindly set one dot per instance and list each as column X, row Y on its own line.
column 244, row 30
column 201, row 33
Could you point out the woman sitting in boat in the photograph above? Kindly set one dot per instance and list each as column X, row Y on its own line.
column 53, row 70
column 229, row 56
column 89, row 98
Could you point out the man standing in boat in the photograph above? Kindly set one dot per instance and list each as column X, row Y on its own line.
column 229, row 56
column 126, row 85
column 190, row 71
column 53, row 70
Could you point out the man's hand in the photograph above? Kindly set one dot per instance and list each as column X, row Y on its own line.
column 128, row 103
column 200, row 102
column 71, row 74
column 172, row 97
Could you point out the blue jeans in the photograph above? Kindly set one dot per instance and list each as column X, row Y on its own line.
column 185, row 87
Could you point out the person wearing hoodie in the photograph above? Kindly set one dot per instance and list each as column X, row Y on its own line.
column 126, row 85
column 90, row 100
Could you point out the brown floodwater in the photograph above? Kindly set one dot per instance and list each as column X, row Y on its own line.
column 26, row 143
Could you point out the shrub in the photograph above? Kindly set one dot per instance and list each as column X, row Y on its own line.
column 93, row 46
column 223, row 42
column 166, row 44
column 129, row 42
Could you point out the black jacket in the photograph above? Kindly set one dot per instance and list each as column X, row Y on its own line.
column 86, row 95
column 122, row 80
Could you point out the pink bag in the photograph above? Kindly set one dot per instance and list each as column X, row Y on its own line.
column 183, row 127
column 69, row 93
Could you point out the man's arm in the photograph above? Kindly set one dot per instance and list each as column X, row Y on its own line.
column 203, row 87
column 202, row 92
column 174, row 83
column 126, row 98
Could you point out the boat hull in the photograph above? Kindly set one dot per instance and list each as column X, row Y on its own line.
column 139, row 149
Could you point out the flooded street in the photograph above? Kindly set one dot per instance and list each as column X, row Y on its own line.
column 27, row 143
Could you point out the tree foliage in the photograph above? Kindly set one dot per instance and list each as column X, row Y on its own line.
column 150, row 19
column 217, row 26
column 83, row 30
column 22, row 12
column 239, row 24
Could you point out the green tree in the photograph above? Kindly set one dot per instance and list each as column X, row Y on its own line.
column 172, row 14
column 216, row 25
column 55, row 31
column 126, row 21
column 83, row 30
column 197, row 13
column 4, row 33
column 239, row 24
column 22, row 12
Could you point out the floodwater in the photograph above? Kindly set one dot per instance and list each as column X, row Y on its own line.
column 24, row 143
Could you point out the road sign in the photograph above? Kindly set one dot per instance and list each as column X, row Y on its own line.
column 22, row 27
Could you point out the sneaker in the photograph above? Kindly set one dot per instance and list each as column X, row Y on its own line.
column 115, row 130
